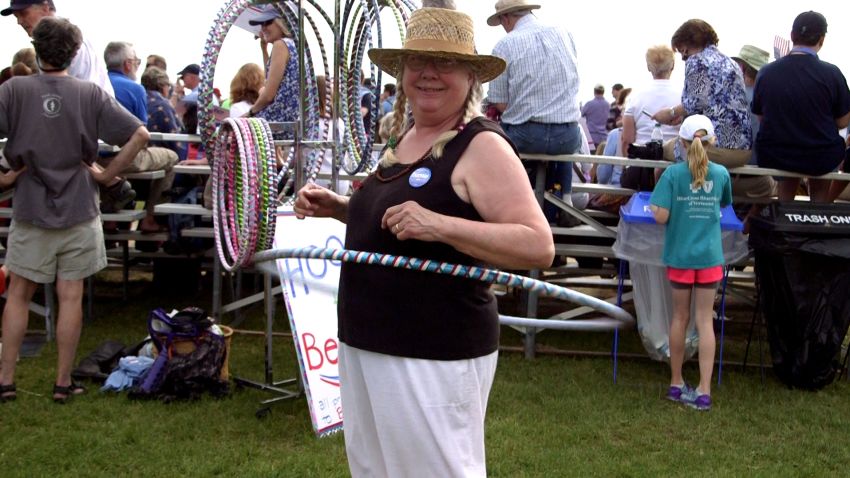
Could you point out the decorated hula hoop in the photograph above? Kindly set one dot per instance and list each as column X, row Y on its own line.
column 620, row 317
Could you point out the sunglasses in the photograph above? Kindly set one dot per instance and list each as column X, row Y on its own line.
column 442, row 65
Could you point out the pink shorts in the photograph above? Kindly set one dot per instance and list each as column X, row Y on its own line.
column 695, row 276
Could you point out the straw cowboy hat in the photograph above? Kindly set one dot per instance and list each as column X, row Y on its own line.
column 753, row 56
column 439, row 33
column 508, row 6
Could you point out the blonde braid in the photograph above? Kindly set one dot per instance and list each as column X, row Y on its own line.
column 472, row 110
column 697, row 162
column 400, row 125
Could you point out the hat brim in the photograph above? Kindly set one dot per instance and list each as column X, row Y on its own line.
column 742, row 60
column 12, row 9
column 260, row 19
column 486, row 67
column 493, row 20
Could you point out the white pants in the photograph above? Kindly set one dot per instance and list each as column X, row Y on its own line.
column 407, row 417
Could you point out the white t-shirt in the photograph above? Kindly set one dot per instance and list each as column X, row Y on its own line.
column 88, row 65
column 656, row 96
column 240, row 109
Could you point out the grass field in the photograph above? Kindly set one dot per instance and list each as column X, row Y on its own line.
column 556, row 415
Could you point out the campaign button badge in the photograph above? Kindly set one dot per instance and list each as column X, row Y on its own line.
column 420, row 177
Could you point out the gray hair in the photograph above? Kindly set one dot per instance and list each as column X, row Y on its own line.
column 116, row 53
column 519, row 13
column 155, row 78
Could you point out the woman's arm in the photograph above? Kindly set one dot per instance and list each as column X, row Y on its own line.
column 842, row 122
column 277, row 67
column 672, row 115
column 661, row 214
column 628, row 135
column 489, row 175
column 316, row 201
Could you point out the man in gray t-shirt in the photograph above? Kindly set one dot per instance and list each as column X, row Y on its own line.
column 52, row 123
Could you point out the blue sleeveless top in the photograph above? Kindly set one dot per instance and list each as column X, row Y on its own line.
column 285, row 104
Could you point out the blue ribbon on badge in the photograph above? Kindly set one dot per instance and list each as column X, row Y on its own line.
column 420, row 177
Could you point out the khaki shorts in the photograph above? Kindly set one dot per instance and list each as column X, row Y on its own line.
column 753, row 186
column 41, row 255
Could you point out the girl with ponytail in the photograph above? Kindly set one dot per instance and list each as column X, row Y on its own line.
column 688, row 199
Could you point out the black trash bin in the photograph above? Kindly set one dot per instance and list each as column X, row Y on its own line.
column 802, row 254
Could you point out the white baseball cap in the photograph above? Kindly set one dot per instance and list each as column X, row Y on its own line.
column 693, row 124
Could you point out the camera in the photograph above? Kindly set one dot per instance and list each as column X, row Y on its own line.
column 650, row 150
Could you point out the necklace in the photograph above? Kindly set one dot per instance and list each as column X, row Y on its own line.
column 392, row 143
column 403, row 171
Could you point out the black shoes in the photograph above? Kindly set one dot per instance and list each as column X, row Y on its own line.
column 116, row 197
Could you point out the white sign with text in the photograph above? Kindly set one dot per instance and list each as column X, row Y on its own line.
column 310, row 291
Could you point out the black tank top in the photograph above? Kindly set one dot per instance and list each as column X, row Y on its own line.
column 408, row 313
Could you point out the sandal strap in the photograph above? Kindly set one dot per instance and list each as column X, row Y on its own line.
column 72, row 389
column 8, row 388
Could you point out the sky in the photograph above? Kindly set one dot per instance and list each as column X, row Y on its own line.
column 611, row 38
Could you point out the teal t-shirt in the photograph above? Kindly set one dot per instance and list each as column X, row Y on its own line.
column 692, row 239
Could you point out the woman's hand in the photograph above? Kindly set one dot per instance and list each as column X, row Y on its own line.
column 177, row 89
column 409, row 220
column 668, row 116
column 10, row 177
column 316, row 201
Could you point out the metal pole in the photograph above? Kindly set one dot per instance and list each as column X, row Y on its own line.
column 336, row 148
column 302, row 87
column 268, row 298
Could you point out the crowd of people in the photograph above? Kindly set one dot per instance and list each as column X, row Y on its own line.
column 64, row 85
column 450, row 187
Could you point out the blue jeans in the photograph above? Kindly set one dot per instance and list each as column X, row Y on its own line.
column 542, row 138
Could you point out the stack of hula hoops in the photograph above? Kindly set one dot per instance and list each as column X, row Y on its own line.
column 244, row 190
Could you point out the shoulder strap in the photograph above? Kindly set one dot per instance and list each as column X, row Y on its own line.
column 477, row 125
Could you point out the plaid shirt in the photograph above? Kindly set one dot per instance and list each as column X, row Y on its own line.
column 541, row 81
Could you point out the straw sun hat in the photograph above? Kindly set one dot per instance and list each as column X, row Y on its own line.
column 439, row 33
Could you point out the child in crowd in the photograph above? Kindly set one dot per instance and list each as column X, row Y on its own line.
column 688, row 198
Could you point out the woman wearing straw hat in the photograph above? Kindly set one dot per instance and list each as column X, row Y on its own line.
column 419, row 351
